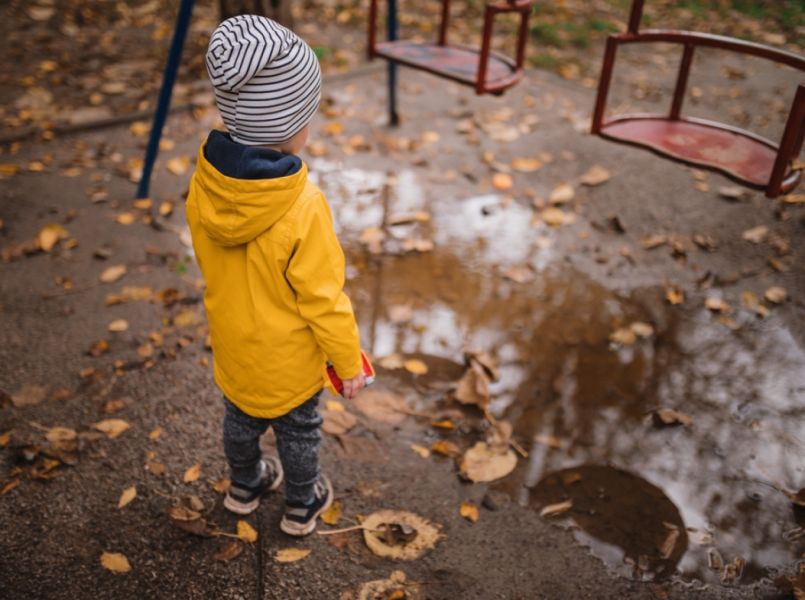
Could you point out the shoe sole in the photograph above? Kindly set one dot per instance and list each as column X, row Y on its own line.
column 247, row 508
column 302, row 529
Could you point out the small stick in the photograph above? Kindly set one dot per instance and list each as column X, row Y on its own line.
column 225, row 534
column 344, row 530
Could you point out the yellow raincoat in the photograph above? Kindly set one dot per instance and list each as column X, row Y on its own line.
column 275, row 274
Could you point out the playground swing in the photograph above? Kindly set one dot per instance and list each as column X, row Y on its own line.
column 741, row 155
column 486, row 71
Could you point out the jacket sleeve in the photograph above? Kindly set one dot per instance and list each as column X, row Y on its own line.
column 316, row 274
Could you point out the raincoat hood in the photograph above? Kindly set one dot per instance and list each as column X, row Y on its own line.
column 247, row 189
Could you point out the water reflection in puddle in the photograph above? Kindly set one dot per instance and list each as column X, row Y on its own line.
column 563, row 380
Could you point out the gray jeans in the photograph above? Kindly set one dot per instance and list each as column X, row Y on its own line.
column 298, row 439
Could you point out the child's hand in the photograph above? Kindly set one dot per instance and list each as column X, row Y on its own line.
column 354, row 385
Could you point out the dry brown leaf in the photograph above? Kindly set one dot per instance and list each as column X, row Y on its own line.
column 246, row 532
column 662, row 417
column 776, row 295
column 596, row 175
column 5, row 439
column 562, row 193
column 421, row 535
column 731, row 192
column 502, row 182
column 192, row 474
column 526, row 165
column 332, row 515
column 666, row 547
column 756, row 235
column 381, row 405
column 125, row 218
column 112, row 274
column 421, row 450
column 337, row 422
column 520, row 274
column 178, row 165
column 13, row 484
column 469, row 511
column 443, row 424
column 641, row 329
column 155, row 433
column 334, row 405
column 127, row 496
column 558, row 508
column 623, row 336
column 231, row 550
column 391, row 362
column 28, row 395
column 115, row 562
column 118, row 325
column 289, row 555
column 555, row 217
column 794, row 199
column 718, row 305
column 332, row 128
column 112, row 427
column 60, row 436
column 473, row 387
column 49, row 235
column 445, row 448
column 674, row 296
column 166, row 208
column 485, row 463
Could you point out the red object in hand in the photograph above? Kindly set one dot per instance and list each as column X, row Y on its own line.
column 337, row 386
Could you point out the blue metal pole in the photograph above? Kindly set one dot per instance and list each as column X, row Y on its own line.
column 168, row 79
column 394, row 118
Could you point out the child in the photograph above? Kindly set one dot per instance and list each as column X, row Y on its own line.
column 264, row 240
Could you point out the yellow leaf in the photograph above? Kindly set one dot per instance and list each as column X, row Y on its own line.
column 289, row 555
column 166, row 208
column 178, row 165
column 112, row 274
column 415, row 366
column 9, row 486
column 332, row 128
column 443, row 424
column 192, row 474
column 112, row 427
column 8, row 169
column 187, row 317
column 554, row 217
column 143, row 203
column 5, row 439
column 155, row 433
column 674, row 296
column 445, row 448
column 562, row 193
column 776, row 295
column 596, row 176
column 127, row 496
column 502, row 181
column 221, row 486
column 115, row 562
column 125, row 218
column 335, row 406
column 118, row 325
column 60, row 435
column 421, row 450
column 332, row 514
column 140, row 128
column 469, row 511
column 526, row 165
column 49, row 235
column 246, row 532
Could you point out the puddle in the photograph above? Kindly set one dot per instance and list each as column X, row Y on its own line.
column 561, row 378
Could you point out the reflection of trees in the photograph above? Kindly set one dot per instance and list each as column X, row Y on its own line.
column 573, row 385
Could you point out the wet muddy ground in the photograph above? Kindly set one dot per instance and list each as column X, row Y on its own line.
column 692, row 507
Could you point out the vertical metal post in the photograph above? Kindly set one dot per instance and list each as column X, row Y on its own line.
column 394, row 117
column 603, row 85
column 163, row 104
column 443, row 25
column 486, row 43
column 635, row 16
column 790, row 144
column 682, row 82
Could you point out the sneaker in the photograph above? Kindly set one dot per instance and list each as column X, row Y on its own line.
column 301, row 520
column 243, row 500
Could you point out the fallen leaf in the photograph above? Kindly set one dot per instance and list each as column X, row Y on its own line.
column 502, row 182
column 28, row 395
column 289, row 555
column 112, row 274
column 334, row 405
column 421, row 450
column 372, row 238
column 526, row 165
column 756, row 235
column 666, row 547
column 381, row 405
column 115, row 562
column 127, row 496
column 391, row 362
column 794, row 199
column 731, row 192
column 552, row 510
column 332, row 515
column 445, row 448
column 125, row 218
column 473, row 387
column 596, row 176
column 520, row 274
column 49, row 235
column 562, row 193
column 246, row 532
column 98, row 348
column 332, row 128
column 231, row 550
column 674, row 296
column 484, row 463
column 443, row 424
column 623, row 336
column 776, row 295
column 555, row 217
column 166, row 208
column 222, row 485
column 417, row 244
column 337, row 422
column 187, row 318
column 415, row 366
column 61, row 436
column 155, row 433
column 418, row 535
column 156, row 468
column 192, row 474
column 111, row 427
column 641, row 329
column 178, row 165
column 118, row 325
column 469, row 511
column 14, row 483
column 663, row 417
column 718, row 305
column 5, row 439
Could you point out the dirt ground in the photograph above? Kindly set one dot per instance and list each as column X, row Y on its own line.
column 444, row 254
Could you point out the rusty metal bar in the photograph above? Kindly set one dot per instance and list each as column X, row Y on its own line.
column 790, row 144
column 443, row 26
column 486, row 43
column 372, row 43
column 522, row 38
column 635, row 16
column 682, row 81
column 603, row 84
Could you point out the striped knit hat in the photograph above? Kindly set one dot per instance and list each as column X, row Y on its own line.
column 267, row 80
